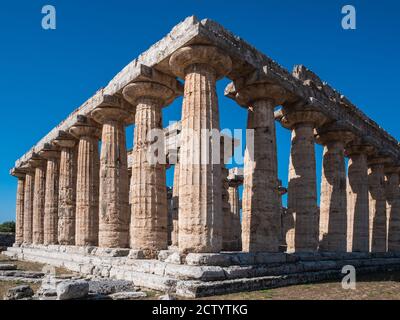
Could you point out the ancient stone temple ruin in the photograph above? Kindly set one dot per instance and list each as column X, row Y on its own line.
column 107, row 211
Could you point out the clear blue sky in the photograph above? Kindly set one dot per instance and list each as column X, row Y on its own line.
column 46, row 74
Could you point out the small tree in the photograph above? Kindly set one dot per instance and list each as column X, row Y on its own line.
column 8, row 226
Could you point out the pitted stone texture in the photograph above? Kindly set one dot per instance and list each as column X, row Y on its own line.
column 149, row 209
column 393, row 208
column 357, row 200
column 377, row 208
column 302, row 189
column 114, row 184
column 28, row 206
column 200, row 209
column 68, row 290
column 333, row 217
column 67, row 191
column 261, row 208
column 50, row 222
column 87, row 185
column 38, row 203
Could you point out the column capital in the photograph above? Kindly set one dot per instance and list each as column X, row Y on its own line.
column 247, row 95
column 65, row 140
column 149, row 90
column 36, row 161
column 334, row 132
column 113, row 108
column 18, row 173
column 50, row 152
column 292, row 117
column 200, row 54
column 354, row 149
column 379, row 160
column 85, row 127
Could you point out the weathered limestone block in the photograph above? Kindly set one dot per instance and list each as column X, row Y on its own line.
column 38, row 199
column 302, row 188
column 67, row 188
column 200, row 208
column 28, row 205
column 261, row 225
column 87, row 184
column 393, row 207
column 50, row 220
column 19, row 206
column 357, row 198
column 377, row 204
column 72, row 289
column 149, row 209
column 333, row 211
column 114, row 183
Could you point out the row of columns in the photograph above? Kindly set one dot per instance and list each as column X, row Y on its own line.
column 91, row 206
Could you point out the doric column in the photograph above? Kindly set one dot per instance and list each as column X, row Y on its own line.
column 28, row 204
column 50, row 220
column 302, row 187
column 235, row 179
column 87, row 182
column 38, row 199
column 261, row 221
column 393, row 207
column 357, row 198
column 149, row 209
column 114, row 183
column 67, row 188
column 175, row 207
column 377, row 204
column 19, row 206
column 333, row 211
column 200, row 210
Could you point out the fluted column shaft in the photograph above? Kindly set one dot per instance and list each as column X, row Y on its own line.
column 333, row 211
column 302, row 187
column 393, row 208
column 200, row 208
column 228, row 243
column 50, row 222
column 38, row 202
column 114, row 183
column 149, row 207
column 28, row 206
column 234, row 208
column 261, row 212
column 87, row 185
column 19, row 216
column 377, row 207
column 357, row 200
column 175, row 207
column 67, row 192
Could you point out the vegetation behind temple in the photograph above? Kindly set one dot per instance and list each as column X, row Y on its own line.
column 8, row 226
